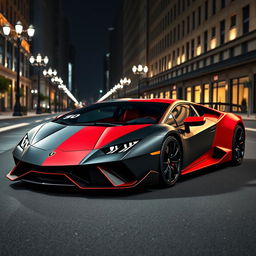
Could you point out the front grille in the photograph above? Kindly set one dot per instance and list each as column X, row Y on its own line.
column 84, row 176
column 48, row 179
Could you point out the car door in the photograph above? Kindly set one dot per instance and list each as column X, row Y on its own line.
column 198, row 140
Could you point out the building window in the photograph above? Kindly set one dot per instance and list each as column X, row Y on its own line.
column 233, row 29
column 231, row 52
column 213, row 32
column 206, row 10
column 197, row 93
column 187, row 51
column 213, row 7
column 244, row 47
column 183, row 28
column 188, row 23
column 199, row 15
column 174, row 94
column 219, row 92
column 198, row 48
column 246, row 19
column 222, row 32
column 193, row 20
column 223, row 3
column 205, row 41
column 233, row 21
column 192, row 48
column 188, row 94
column 206, row 93
column 240, row 93
column 174, row 11
column 221, row 55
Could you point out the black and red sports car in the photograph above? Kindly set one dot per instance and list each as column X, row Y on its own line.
column 125, row 143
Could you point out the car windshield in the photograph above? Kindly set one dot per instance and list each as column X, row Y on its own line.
column 116, row 113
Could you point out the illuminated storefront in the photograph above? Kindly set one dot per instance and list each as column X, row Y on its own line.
column 240, row 93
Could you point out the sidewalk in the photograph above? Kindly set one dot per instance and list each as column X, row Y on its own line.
column 248, row 117
column 8, row 115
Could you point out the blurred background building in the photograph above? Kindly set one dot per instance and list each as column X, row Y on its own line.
column 198, row 50
column 11, row 12
column 51, row 39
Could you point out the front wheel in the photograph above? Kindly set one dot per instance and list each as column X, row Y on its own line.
column 170, row 162
column 238, row 145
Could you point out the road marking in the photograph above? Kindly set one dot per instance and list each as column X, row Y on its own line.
column 250, row 129
column 48, row 118
column 11, row 127
column 37, row 121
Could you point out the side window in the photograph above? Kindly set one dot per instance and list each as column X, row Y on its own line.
column 180, row 113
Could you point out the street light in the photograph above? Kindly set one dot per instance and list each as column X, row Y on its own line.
column 21, row 34
column 50, row 73
column 59, row 82
column 33, row 92
column 125, row 82
column 39, row 62
column 139, row 71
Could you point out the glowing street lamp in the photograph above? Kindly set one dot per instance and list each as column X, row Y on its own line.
column 39, row 62
column 139, row 71
column 21, row 34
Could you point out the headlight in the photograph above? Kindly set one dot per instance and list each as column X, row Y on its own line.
column 24, row 142
column 121, row 148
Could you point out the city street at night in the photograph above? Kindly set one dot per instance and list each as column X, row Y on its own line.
column 211, row 212
column 128, row 127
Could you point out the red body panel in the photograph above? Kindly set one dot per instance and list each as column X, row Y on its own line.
column 225, row 126
column 62, row 158
column 73, row 150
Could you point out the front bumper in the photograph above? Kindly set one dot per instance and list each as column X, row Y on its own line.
column 115, row 175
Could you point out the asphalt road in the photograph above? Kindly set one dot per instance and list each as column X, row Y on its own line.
column 211, row 212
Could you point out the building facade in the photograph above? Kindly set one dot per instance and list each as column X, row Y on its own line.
column 198, row 50
column 11, row 12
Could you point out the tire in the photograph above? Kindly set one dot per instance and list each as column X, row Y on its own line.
column 170, row 162
column 238, row 145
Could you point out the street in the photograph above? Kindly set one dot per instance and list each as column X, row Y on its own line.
column 211, row 212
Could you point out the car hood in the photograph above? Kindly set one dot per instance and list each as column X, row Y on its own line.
column 53, row 136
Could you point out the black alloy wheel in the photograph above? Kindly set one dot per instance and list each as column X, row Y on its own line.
column 238, row 146
column 170, row 162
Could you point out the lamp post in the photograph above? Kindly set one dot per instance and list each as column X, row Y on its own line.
column 33, row 92
column 58, row 81
column 39, row 62
column 20, row 34
column 51, row 73
column 125, row 82
column 65, row 90
column 139, row 71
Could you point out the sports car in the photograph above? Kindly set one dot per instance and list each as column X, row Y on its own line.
column 125, row 143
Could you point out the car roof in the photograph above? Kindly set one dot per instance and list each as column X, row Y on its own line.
column 169, row 101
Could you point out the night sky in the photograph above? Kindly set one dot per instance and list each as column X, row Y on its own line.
column 88, row 25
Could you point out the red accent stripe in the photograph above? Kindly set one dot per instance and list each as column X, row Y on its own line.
column 113, row 133
column 85, row 139
column 65, row 158
column 73, row 150
column 128, row 185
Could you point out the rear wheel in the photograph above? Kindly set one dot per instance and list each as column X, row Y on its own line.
column 170, row 162
column 238, row 145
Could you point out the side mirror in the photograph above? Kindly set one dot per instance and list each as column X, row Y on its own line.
column 193, row 121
